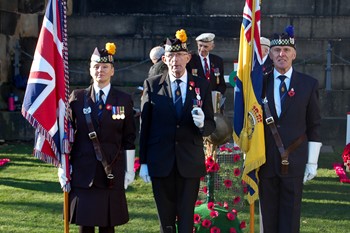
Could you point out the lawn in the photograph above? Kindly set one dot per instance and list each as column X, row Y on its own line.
column 31, row 198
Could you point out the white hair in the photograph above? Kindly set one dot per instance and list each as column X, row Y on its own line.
column 156, row 53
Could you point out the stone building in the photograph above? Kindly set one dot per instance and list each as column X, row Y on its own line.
column 136, row 26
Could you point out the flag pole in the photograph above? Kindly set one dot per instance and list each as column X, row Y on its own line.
column 65, row 212
column 251, row 209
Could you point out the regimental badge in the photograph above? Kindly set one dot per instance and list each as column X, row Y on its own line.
column 194, row 72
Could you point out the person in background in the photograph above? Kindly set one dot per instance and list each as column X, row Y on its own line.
column 103, row 151
column 292, row 113
column 158, row 66
column 207, row 65
column 265, row 49
column 176, row 112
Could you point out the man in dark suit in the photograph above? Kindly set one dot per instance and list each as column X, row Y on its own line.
column 176, row 113
column 295, row 114
column 207, row 65
column 97, row 196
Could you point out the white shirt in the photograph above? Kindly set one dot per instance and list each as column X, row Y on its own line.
column 105, row 90
column 183, row 85
column 276, row 85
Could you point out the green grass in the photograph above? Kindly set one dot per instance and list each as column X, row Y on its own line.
column 31, row 198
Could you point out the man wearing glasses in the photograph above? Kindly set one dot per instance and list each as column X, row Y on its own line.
column 176, row 113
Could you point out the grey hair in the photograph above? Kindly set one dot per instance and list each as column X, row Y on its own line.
column 156, row 52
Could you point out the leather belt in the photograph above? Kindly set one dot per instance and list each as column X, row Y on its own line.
column 96, row 143
column 283, row 152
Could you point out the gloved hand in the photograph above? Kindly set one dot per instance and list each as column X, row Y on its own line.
column 144, row 173
column 311, row 166
column 62, row 175
column 129, row 172
column 198, row 117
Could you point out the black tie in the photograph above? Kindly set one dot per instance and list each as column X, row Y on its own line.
column 178, row 99
column 100, row 104
column 282, row 88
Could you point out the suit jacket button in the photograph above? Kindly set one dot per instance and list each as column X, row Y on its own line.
column 177, row 126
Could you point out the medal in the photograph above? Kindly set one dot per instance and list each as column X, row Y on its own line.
column 122, row 112
column 114, row 113
column 197, row 90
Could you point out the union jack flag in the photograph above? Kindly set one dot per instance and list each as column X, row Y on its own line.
column 248, row 117
column 46, row 98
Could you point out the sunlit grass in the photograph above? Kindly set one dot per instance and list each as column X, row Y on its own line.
column 31, row 198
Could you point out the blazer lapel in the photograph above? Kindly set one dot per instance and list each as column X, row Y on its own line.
column 92, row 103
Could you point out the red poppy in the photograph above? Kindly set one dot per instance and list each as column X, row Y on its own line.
column 192, row 84
column 215, row 167
column 226, row 205
column 196, row 218
column 137, row 164
column 237, row 172
column 291, row 93
column 206, row 223
column 210, row 205
column 233, row 230
column 224, row 148
column 236, row 158
column 234, row 212
column 230, row 216
column 214, row 214
column 245, row 190
column 108, row 106
column 236, row 200
column 242, row 225
column 228, row 183
column 205, row 189
column 219, row 203
column 198, row 202
column 202, row 178
column 215, row 230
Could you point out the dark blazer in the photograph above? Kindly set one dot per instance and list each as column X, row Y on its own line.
column 300, row 115
column 164, row 140
column 195, row 68
column 89, row 182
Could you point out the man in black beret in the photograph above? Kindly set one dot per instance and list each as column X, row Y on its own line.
column 292, row 138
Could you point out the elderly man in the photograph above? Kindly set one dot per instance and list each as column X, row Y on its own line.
column 292, row 113
column 176, row 113
column 265, row 48
column 207, row 65
column 158, row 66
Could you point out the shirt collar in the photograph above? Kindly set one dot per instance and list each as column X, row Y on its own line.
column 105, row 90
column 288, row 74
column 183, row 77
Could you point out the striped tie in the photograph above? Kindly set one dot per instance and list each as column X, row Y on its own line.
column 178, row 99
column 282, row 88
column 100, row 104
column 206, row 69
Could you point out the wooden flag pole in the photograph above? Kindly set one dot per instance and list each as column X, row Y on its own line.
column 66, row 212
column 251, row 224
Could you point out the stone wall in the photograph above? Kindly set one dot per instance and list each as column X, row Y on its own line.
column 136, row 26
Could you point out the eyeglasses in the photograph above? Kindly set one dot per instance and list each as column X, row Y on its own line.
column 177, row 54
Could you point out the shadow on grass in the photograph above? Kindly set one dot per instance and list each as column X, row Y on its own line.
column 34, row 185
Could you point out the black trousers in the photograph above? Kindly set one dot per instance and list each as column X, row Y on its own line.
column 280, row 200
column 85, row 229
column 175, row 197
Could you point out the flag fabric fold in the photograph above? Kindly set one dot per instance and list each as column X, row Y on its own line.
column 248, row 115
column 45, row 101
